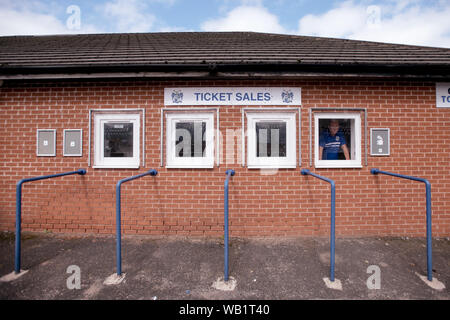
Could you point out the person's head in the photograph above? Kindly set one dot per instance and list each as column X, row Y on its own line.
column 333, row 126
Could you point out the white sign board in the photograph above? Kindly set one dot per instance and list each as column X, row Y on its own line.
column 232, row 96
column 443, row 95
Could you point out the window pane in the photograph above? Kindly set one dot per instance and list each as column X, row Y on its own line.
column 271, row 139
column 118, row 140
column 190, row 139
column 335, row 137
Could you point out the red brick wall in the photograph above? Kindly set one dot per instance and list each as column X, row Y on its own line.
column 190, row 201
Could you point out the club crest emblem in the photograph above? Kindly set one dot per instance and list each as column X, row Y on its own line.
column 287, row 96
column 380, row 140
column 177, row 96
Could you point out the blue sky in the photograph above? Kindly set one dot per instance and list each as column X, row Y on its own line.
column 418, row 22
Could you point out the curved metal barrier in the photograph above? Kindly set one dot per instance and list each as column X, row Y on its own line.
column 428, row 202
column 118, row 217
column 19, row 209
column 332, row 231
column 229, row 173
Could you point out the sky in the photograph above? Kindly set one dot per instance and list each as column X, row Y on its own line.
column 415, row 22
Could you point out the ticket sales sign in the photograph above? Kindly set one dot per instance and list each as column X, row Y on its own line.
column 443, row 95
column 232, row 96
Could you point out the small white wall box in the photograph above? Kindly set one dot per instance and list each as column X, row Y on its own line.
column 46, row 143
column 380, row 142
column 73, row 143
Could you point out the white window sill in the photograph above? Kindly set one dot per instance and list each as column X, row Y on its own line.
column 271, row 167
column 190, row 167
column 339, row 166
column 116, row 167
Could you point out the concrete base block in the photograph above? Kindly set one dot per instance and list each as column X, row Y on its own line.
column 335, row 285
column 114, row 279
column 13, row 276
column 434, row 284
column 222, row 285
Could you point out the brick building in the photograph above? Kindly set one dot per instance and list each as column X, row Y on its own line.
column 193, row 105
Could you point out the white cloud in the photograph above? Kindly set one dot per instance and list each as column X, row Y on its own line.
column 128, row 16
column 406, row 21
column 245, row 18
column 423, row 26
column 168, row 3
column 14, row 22
column 34, row 18
column 338, row 22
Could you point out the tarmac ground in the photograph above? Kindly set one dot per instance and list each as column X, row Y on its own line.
column 75, row 267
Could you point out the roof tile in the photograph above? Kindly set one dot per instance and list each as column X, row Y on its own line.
column 207, row 47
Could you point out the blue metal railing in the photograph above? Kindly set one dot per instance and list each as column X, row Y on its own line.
column 333, row 219
column 118, row 217
column 19, row 210
column 225, row 238
column 428, row 219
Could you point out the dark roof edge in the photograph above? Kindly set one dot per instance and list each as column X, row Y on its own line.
column 438, row 71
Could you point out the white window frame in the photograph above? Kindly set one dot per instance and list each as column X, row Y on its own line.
column 290, row 161
column 355, row 153
column 189, row 162
column 126, row 162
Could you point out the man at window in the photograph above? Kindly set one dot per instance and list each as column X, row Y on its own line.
column 331, row 141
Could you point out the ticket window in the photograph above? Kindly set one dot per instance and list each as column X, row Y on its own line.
column 190, row 140
column 337, row 140
column 117, row 141
column 271, row 140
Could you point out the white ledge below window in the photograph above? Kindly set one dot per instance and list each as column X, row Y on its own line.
column 271, row 167
column 332, row 164
column 190, row 167
column 116, row 167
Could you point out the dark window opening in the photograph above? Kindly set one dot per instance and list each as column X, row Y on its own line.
column 190, row 139
column 118, row 140
column 271, row 139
